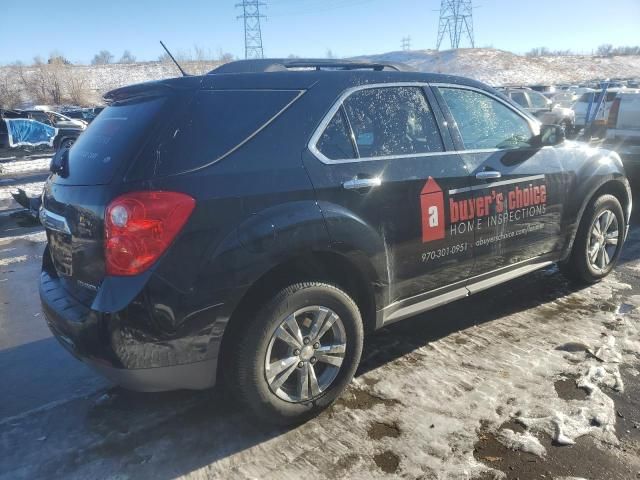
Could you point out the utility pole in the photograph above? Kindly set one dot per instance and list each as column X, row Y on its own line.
column 456, row 20
column 406, row 44
column 252, row 31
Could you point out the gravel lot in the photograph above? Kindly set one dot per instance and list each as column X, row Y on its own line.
column 532, row 379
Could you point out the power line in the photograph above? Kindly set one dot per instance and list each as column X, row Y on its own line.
column 406, row 43
column 252, row 31
column 456, row 20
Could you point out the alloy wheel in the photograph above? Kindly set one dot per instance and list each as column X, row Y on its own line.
column 603, row 240
column 305, row 354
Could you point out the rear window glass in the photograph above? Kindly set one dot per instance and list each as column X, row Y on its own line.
column 217, row 122
column 113, row 138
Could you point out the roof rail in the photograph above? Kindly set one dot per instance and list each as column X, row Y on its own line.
column 284, row 64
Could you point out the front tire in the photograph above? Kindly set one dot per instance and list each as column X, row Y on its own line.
column 297, row 352
column 598, row 243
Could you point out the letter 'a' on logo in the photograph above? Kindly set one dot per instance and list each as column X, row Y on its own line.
column 432, row 208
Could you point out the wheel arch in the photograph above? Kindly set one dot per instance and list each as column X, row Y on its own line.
column 349, row 274
column 616, row 186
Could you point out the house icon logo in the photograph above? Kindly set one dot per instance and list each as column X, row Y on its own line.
column 432, row 209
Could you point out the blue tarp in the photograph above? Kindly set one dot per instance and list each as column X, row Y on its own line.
column 27, row 132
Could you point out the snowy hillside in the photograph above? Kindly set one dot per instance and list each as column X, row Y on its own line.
column 495, row 67
column 498, row 67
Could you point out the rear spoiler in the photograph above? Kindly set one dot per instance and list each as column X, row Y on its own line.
column 151, row 89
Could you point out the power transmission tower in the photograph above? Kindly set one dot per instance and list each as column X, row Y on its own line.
column 456, row 20
column 406, row 44
column 252, row 31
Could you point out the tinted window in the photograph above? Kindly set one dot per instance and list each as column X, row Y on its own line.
column 217, row 122
column 335, row 143
column 392, row 121
column 111, row 139
column 484, row 122
column 519, row 98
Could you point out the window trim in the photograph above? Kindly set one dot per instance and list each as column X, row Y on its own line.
column 312, row 145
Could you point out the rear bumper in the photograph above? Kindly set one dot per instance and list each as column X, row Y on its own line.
column 116, row 344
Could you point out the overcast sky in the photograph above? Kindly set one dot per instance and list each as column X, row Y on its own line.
column 80, row 28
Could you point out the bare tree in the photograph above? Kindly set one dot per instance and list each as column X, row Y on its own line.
column 10, row 95
column 127, row 57
column 605, row 50
column 225, row 57
column 77, row 90
column 330, row 53
column 103, row 57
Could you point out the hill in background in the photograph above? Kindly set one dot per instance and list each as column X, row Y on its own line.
column 497, row 67
column 84, row 85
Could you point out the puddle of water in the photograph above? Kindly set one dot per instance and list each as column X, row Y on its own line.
column 567, row 389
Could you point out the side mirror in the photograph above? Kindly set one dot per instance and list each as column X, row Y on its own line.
column 551, row 135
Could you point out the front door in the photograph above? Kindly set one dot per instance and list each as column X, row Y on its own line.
column 382, row 162
column 519, row 190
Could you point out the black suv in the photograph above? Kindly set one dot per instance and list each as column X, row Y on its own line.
column 250, row 225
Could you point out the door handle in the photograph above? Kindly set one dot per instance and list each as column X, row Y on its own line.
column 488, row 175
column 358, row 183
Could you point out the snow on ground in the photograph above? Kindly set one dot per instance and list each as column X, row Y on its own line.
column 418, row 414
column 25, row 166
column 32, row 189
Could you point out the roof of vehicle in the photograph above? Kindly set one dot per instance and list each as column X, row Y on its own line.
column 285, row 64
column 299, row 74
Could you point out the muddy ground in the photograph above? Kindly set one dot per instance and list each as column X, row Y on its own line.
column 469, row 390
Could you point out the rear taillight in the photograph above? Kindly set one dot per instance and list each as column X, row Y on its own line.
column 613, row 114
column 139, row 226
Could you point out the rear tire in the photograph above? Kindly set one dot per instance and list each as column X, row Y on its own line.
column 287, row 365
column 598, row 242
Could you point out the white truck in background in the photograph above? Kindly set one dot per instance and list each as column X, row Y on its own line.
column 623, row 130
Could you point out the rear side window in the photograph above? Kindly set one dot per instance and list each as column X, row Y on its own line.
column 392, row 121
column 112, row 139
column 335, row 143
column 217, row 122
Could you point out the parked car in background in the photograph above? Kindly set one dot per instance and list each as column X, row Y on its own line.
column 23, row 130
column 86, row 114
column 69, row 129
column 542, row 108
column 564, row 99
column 581, row 107
column 623, row 131
column 252, row 224
column 543, row 88
column 55, row 119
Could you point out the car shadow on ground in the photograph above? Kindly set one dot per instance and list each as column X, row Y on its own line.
column 200, row 428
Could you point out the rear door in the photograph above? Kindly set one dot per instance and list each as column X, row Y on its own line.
column 380, row 156
column 519, row 190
